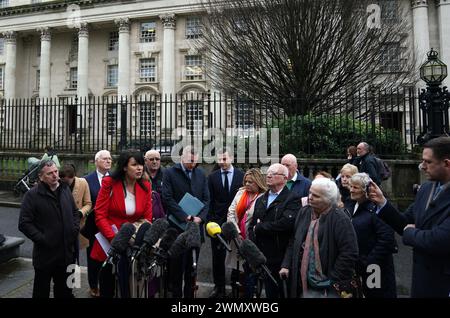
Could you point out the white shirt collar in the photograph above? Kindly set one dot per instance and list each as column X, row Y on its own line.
column 229, row 170
column 294, row 177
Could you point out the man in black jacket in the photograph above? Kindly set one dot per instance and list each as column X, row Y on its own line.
column 367, row 162
column 223, row 185
column 182, row 178
column 50, row 218
column 272, row 223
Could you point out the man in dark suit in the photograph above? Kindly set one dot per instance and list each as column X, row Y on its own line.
column 296, row 182
column 426, row 223
column 272, row 224
column 182, row 178
column 367, row 162
column 50, row 218
column 103, row 161
column 223, row 185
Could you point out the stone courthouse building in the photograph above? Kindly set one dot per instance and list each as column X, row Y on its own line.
column 61, row 48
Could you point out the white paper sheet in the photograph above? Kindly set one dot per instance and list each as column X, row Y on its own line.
column 104, row 243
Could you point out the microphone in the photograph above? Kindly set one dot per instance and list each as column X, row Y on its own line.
column 255, row 258
column 230, row 233
column 144, row 228
column 193, row 240
column 178, row 247
column 163, row 246
column 153, row 234
column 119, row 243
column 213, row 229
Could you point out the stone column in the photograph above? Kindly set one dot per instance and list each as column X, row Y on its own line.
column 421, row 30
column 168, row 110
column 83, row 61
column 10, row 66
column 44, row 80
column 123, row 86
column 444, row 33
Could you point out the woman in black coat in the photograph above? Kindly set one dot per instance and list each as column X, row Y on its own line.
column 376, row 241
column 312, row 275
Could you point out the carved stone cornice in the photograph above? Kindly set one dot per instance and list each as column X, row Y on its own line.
column 83, row 30
column 45, row 33
column 419, row 3
column 10, row 37
column 123, row 24
column 168, row 20
column 442, row 2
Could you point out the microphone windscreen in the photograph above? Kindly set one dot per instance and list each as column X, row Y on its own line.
column 140, row 234
column 168, row 238
column 158, row 228
column 179, row 246
column 251, row 253
column 213, row 229
column 229, row 231
column 193, row 239
column 120, row 241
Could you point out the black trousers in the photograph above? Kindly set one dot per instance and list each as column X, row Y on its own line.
column 219, row 254
column 42, row 280
column 107, row 279
column 181, row 269
column 93, row 267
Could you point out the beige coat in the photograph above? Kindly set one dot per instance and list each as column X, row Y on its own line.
column 231, row 258
column 82, row 198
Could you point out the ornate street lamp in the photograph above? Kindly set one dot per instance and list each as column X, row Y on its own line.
column 434, row 101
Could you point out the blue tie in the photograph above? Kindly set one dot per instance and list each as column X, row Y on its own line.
column 226, row 184
column 437, row 191
column 188, row 173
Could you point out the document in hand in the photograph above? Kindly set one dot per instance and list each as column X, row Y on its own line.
column 190, row 205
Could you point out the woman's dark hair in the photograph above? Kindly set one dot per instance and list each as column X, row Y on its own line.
column 122, row 162
column 352, row 151
column 68, row 170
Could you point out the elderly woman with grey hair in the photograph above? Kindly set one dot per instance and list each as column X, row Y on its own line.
column 376, row 240
column 322, row 254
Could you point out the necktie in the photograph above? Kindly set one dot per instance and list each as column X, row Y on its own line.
column 226, row 185
column 289, row 184
column 436, row 192
column 188, row 173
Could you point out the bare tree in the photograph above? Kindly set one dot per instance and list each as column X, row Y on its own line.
column 302, row 53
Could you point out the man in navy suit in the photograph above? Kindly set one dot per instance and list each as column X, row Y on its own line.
column 223, row 185
column 103, row 161
column 182, row 178
column 296, row 182
column 426, row 223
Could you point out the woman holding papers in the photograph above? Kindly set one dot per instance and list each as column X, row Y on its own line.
column 240, row 214
column 123, row 197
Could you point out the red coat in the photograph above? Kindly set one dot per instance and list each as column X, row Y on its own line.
column 110, row 209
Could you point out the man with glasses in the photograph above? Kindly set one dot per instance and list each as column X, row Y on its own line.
column 103, row 162
column 272, row 223
column 50, row 218
column 153, row 169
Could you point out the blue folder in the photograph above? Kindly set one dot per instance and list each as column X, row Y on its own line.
column 191, row 206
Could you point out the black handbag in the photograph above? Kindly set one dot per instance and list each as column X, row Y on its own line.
column 90, row 228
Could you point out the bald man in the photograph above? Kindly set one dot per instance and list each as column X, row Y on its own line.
column 153, row 169
column 296, row 182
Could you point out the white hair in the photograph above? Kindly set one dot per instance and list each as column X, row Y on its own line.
column 362, row 179
column 101, row 152
column 279, row 168
column 330, row 190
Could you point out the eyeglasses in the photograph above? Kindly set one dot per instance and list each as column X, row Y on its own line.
column 153, row 159
column 270, row 175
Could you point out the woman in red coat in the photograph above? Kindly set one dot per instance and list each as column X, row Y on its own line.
column 123, row 197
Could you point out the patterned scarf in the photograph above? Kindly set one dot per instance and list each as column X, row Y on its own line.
column 242, row 207
column 311, row 266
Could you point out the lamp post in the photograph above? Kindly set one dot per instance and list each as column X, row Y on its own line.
column 434, row 101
